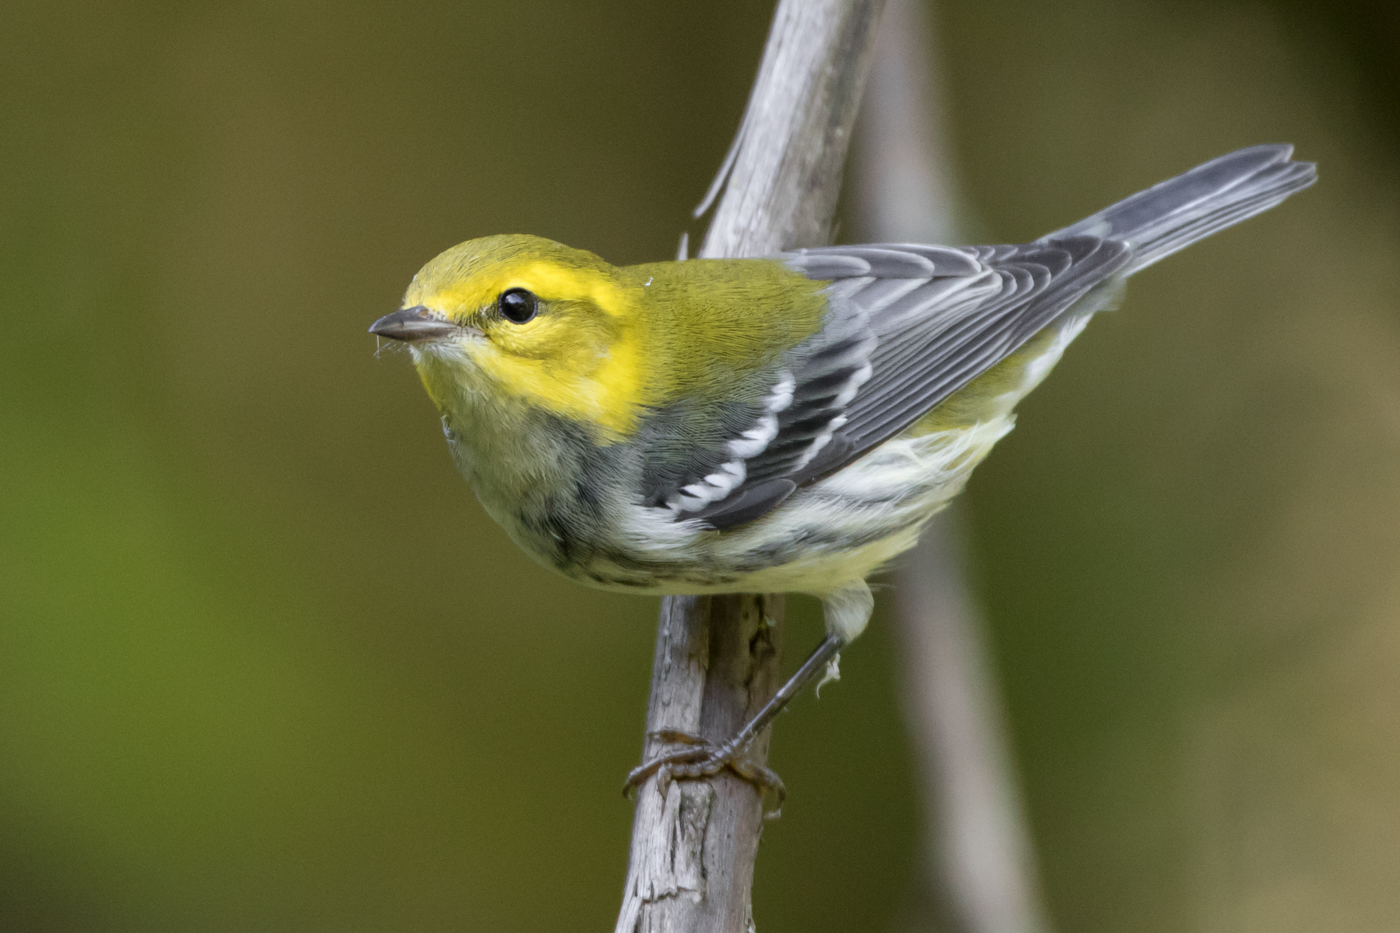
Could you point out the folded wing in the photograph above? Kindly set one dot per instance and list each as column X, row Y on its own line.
column 910, row 325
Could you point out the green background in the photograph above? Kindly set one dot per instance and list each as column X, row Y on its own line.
column 266, row 665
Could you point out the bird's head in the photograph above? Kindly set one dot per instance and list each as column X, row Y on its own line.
column 513, row 320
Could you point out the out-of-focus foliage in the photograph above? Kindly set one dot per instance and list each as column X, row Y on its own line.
column 264, row 664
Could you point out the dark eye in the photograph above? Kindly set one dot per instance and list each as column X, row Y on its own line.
column 518, row 305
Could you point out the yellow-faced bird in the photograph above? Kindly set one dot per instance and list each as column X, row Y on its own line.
column 767, row 425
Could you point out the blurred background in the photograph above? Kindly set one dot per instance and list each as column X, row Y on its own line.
column 265, row 663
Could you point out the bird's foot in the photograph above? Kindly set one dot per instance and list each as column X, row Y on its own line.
column 703, row 759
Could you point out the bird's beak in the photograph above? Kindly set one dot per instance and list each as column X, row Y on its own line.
column 410, row 324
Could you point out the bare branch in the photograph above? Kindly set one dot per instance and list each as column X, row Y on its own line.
column 717, row 658
column 788, row 155
column 980, row 849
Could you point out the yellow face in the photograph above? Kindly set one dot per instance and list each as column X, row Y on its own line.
column 546, row 324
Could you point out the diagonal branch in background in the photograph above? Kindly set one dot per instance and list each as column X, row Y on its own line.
column 980, row 854
column 717, row 657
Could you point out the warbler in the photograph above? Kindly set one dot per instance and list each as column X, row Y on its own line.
column 765, row 425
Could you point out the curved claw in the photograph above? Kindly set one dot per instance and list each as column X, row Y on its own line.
column 638, row 775
column 705, row 760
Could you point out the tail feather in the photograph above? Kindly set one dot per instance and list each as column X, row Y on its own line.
column 1179, row 211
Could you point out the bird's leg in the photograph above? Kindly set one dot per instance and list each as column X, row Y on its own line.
column 847, row 610
column 705, row 759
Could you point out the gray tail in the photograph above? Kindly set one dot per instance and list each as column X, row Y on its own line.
column 1181, row 210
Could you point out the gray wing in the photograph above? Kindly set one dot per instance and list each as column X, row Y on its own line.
column 944, row 332
column 1179, row 211
column 911, row 325
column 907, row 327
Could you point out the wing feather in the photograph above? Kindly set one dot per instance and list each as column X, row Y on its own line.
column 907, row 327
